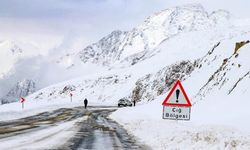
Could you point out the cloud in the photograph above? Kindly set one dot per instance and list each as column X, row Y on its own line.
column 40, row 69
column 92, row 19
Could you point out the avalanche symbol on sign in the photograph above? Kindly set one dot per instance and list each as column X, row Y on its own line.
column 177, row 105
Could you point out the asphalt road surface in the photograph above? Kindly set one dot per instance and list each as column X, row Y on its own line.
column 96, row 131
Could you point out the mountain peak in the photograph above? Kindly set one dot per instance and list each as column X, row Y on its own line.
column 130, row 47
column 104, row 50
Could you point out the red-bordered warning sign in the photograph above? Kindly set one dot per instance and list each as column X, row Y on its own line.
column 177, row 96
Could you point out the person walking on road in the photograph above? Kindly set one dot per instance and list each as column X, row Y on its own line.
column 134, row 103
column 85, row 103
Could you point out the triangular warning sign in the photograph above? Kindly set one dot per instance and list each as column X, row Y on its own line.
column 177, row 96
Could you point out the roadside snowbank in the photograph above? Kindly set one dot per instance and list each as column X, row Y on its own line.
column 209, row 128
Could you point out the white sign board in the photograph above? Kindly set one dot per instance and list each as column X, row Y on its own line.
column 176, row 112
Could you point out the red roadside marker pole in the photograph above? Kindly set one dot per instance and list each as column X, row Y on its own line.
column 22, row 101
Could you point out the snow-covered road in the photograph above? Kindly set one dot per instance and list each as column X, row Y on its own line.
column 67, row 128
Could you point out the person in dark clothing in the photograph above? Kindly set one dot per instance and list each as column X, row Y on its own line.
column 85, row 103
column 134, row 103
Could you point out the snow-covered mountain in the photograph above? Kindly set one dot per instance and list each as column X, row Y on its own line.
column 144, row 62
column 104, row 51
column 139, row 43
column 176, row 43
column 21, row 89
column 231, row 68
column 18, row 60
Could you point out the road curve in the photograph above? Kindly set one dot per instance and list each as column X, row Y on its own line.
column 97, row 131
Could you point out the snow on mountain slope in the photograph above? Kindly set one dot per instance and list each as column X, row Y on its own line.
column 109, row 86
column 227, row 83
column 105, row 51
column 219, row 91
column 234, row 67
column 21, row 61
column 21, row 89
column 186, row 46
column 199, row 62
column 132, row 46
column 109, row 89
column 152, row 85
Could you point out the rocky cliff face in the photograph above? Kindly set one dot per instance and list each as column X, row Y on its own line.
column 150, row 86
column 104, row 51
column 231, row 69
column 21, row 89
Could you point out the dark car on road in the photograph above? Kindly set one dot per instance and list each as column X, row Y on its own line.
column 124, row 102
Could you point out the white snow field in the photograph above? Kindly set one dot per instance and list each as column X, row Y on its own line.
column 217, row 122
column 219, row 115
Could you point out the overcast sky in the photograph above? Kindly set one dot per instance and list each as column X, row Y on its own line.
column 49, row 22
